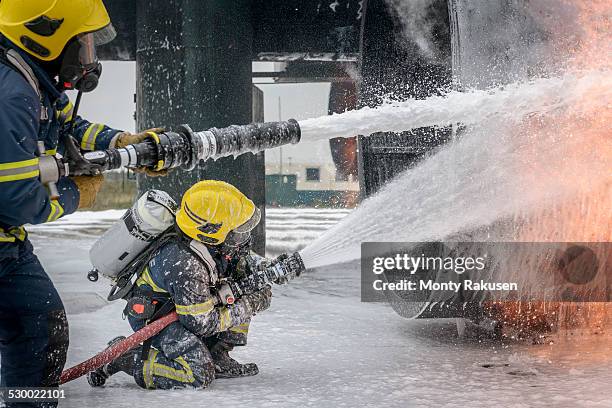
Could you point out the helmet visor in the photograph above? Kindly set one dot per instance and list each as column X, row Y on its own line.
column 104, row 35
column 242, row 234
column 87, row 50
column 251, row 223
column 89, row 41
column 237, row 239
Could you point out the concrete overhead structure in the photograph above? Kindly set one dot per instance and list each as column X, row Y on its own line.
column 194, row 66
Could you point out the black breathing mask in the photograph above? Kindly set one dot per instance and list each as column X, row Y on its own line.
column 240, row 240
column 233, row 248
column 80, row 68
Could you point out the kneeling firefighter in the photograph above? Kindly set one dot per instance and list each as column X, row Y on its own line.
column 183, row 269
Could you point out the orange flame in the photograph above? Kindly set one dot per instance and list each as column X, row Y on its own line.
column 581, row 164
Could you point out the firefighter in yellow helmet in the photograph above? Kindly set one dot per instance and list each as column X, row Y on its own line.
column 228, row 214
column 212, row 242
column 46, row 48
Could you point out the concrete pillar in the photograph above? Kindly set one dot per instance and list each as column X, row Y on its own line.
column 393, row 63
column 194, row 66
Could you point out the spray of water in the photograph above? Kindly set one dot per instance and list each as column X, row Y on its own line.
column 536, row 154
column 419, row 21
column 481, row 177
column 509, row 103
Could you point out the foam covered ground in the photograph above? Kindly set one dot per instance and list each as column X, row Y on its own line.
column 319, row 346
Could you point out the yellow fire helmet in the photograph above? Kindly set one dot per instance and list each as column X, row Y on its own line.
column 44, row 27
column 214, row 212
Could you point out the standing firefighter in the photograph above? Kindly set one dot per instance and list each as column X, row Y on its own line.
column 46, row 47
column 209, row 243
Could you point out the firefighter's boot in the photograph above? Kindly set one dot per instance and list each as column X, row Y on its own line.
column 124, row 362
column 227, row 367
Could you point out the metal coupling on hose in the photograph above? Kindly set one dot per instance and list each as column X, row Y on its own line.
column 203, row 146
column 51, row 169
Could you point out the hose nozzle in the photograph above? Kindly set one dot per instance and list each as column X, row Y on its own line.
column 184, row 148
column 285, row 267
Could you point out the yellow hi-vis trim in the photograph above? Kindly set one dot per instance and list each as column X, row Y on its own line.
column 19, row 232
column 196, row 309
column 147, row 369
column 184, row 376
column 56, row 211
column 155, row 137
column 89, row 138
column 65, row 115
column 225, row 319
column 241, row 328
column 19, row 170
column 146, row 279
column 15, row 233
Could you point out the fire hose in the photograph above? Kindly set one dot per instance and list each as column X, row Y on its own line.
column 117, row 349
column 182, row 148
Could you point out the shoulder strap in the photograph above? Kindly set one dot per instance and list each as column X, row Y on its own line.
column 200, row 250
column 125, row 279
column 19, row 63
column 12, row 59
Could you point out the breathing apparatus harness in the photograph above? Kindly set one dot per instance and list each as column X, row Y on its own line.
column 145, row 304
column 124, row 251
column 18, row 63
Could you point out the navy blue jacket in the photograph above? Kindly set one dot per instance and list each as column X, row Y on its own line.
column 24, row 199
column 175, row 272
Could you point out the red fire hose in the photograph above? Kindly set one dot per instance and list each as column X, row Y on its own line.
column 117, row 349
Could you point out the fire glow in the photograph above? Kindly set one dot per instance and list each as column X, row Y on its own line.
column 580, row 162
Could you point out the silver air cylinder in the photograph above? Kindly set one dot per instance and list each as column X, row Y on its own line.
column 152, row 214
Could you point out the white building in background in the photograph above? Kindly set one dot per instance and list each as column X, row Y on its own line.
column 312, row 164
column 307, row 165
column 305, row 175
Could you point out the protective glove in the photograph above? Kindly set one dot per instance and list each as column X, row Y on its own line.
column 88, row 186
column 127, row 138
column 286, row 267
column 258, row 301
column 282, row 280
